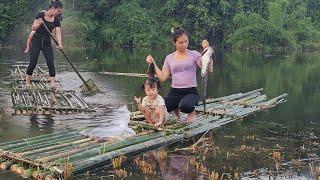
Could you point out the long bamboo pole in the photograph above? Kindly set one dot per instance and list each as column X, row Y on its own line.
column 31, row 139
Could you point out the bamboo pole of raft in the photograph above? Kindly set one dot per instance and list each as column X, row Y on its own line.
column 19, row 73
column 39, row 140
column 126, row 149
column 43, row 145
column 40, row 174
column 75, row 149
column 46, row 143
column 80, row 101
column 107, row 147
column 101, row 148
column 103, row 158
column 14, row 167
column 6, row 165
column 43, row 137
column 243, row 101
column 46, row 149
column 27, row 173
column 232, row 96
column 67, row 100
column 273, row 101
column 209, row 126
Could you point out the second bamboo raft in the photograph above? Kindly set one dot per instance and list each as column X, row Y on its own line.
column 39, row 98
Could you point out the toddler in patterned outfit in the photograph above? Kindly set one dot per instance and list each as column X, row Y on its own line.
column 152, row 105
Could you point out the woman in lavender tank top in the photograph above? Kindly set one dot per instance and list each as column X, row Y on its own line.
column 182, row 65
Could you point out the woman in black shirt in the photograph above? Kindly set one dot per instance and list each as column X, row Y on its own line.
column 41, row 40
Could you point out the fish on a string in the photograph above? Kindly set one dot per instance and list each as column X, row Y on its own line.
column 206, row 67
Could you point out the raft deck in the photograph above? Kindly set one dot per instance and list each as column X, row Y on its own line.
column 64, row 152
column 39, row 98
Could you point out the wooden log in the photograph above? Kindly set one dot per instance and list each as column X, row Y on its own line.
column 6, row 165
column 42, row 137
column 14, row 167
column 46, row 144
column 107, row 147
column 69, row 149
column 28, row 172
column 46, row 149
column 40, row 174
column 20, row 169
column 34, row 141
column 104, row 158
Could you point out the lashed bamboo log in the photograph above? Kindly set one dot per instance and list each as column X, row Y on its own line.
column 110, row 147
column 37, row 140
column 103, row 158
column 46, row 149
column 46, row 144
column 31, row 139
column 27, row 173
column 6, row 165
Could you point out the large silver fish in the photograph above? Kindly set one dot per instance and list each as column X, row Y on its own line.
column 207, row 65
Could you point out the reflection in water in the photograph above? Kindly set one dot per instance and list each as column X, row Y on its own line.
column 173, row 166
column 41, row 124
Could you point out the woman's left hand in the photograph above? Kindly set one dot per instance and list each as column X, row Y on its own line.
column 60, row 46
column 149, row 59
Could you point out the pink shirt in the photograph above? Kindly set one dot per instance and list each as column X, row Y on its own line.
column 183, row 72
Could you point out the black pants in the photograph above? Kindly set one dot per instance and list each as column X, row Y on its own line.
column 41, row 43
column 183, row 98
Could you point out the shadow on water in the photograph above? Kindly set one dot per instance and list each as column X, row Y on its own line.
column 259, row 145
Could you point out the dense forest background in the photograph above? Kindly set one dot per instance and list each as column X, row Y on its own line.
column 238, row 24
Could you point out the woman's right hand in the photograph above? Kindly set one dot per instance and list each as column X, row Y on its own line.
column 39, row 21
column 149, row 59
column 137, row 99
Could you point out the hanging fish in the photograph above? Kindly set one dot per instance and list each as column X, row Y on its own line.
column 151, row 71
column 207, row 66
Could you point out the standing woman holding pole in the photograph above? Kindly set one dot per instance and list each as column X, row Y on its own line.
column 41, row 40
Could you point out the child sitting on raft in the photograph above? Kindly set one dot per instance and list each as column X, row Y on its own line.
column 152, row 105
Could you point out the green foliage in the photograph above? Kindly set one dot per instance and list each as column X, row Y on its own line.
column 254, row 32
column 276, row 12
column 313, row 11
column 11, row 12
column 246, row 24
column 133, row 26
column 299, row 24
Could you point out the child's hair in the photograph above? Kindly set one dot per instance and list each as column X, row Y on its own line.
column 56, row 4
column 177, row 32
column 152, row 82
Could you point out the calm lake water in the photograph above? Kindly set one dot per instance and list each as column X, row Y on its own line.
column 242, row 146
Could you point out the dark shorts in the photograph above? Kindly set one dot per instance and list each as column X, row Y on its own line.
column 41, row 43
column 184, row 99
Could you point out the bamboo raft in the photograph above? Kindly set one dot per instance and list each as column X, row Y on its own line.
column 65, row 152
column 40, row 73
column 39, row 98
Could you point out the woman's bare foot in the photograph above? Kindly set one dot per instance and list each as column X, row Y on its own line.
column 158, row 124
column 191, row 117
column 177, row 113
